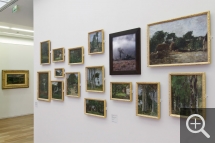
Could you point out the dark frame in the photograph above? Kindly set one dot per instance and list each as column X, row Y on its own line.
column 135, row 31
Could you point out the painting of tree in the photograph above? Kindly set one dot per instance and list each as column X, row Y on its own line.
column 45, row 49
column 57, row 90
column 76, row 55
column 95, row 42
column 72, row 81
column 121, row 91
column 95, row 107
column 43, row 86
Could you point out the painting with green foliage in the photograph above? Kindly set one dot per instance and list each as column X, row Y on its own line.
column 43, row 85
column 95, row 107
column 57, row 90
column 45, row 57
column 179, row 41
column 75, row 55
column 59, row 72
column 120, row 91
column 95, row 79
column 72, row 84
column 148, row 99
column 15, row 78
column 95, row 42
column 58, row 54
column 186, row 92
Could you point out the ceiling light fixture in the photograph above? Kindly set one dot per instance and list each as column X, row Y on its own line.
column 24, row 30
column 4, row 27
column 16, row 34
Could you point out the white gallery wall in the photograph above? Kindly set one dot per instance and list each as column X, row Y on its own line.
column 16, row 54
column 66, row 24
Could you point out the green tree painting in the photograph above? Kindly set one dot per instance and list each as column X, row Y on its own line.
column 95, row 107
column 75, row 56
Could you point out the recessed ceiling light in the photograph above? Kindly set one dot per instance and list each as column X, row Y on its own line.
column 24, row 30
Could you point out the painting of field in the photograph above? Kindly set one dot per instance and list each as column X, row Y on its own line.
column 72, row 87
column 121, row 91
column 179, row 41
column 95, row 107
column 15, row 78
column 187, row 92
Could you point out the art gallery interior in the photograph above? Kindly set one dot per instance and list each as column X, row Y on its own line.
column 67, row 24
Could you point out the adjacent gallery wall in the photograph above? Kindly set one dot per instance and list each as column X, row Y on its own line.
column 16, row 54
column 67, row 25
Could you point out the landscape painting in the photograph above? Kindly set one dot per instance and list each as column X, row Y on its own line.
column 45, row 48
column 58, row 55
column 121, row 91
column 187, row 90
column 15, row 79
column 57, row 90
column 95, row 42
column 59, row 72
column 76, row 55
column 125, row 52
column 73, row 84
column 95, row 107
column 148, row 99
column 181, row 41
column 43, row 86
column 95, row 79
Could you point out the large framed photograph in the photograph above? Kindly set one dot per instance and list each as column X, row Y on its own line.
column 15, row 79
column 45, row 48
column 73, row 84
column 125, row 51
column 180, row 41
column 148, row 99
column 96, row 42
column 95, row 79
column 95, row 107
column 59, row 72
column 121, row 91
column 76, row 55
column 43, row 85
column 187, row 90
column 58, row 55
column 57, row 91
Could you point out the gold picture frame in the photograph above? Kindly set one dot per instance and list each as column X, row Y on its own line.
column 188, row 82
column 76, row 58
column 74, row 88
column 15, row 79
column 92, row 109
column 95, row 79
column 123, row 89
column 57, row 90
column 96, row 42
column 188, row 43
column 59, row 72
column 43, row 86
column 149, row 92
column 45, row 48
column 58, row 55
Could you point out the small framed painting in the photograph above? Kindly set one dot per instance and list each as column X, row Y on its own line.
column 15, row 79
column 76, row 55
column 148, row 99
column 96, row 42
column 73, row 84
column 45, row 48
column 180, row 41
column 121, row 91
column 95, row 107
column 125, row 51
column 95, row 79
column 187, row 90
column 57, row 91
column 58, row 55
column 43, row 85
column 59, row 72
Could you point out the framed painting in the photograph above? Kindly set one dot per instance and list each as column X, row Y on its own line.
column 180, row 41
column 15, row 79
column 96, row 42
column 95, row 107
column 73, row 84
column 59, row 72
column 58, row 55
column 57, row 90
column 187, row 90
column 148, row 99
column 43, row 85
column 125, row 51
column 45, row 48
column 95, row 79
column 76, row 55
column 121, row 91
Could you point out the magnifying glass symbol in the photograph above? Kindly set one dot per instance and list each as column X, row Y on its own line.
column 200, row 130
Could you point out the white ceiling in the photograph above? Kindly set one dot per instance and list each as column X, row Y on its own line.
column 23, row 17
